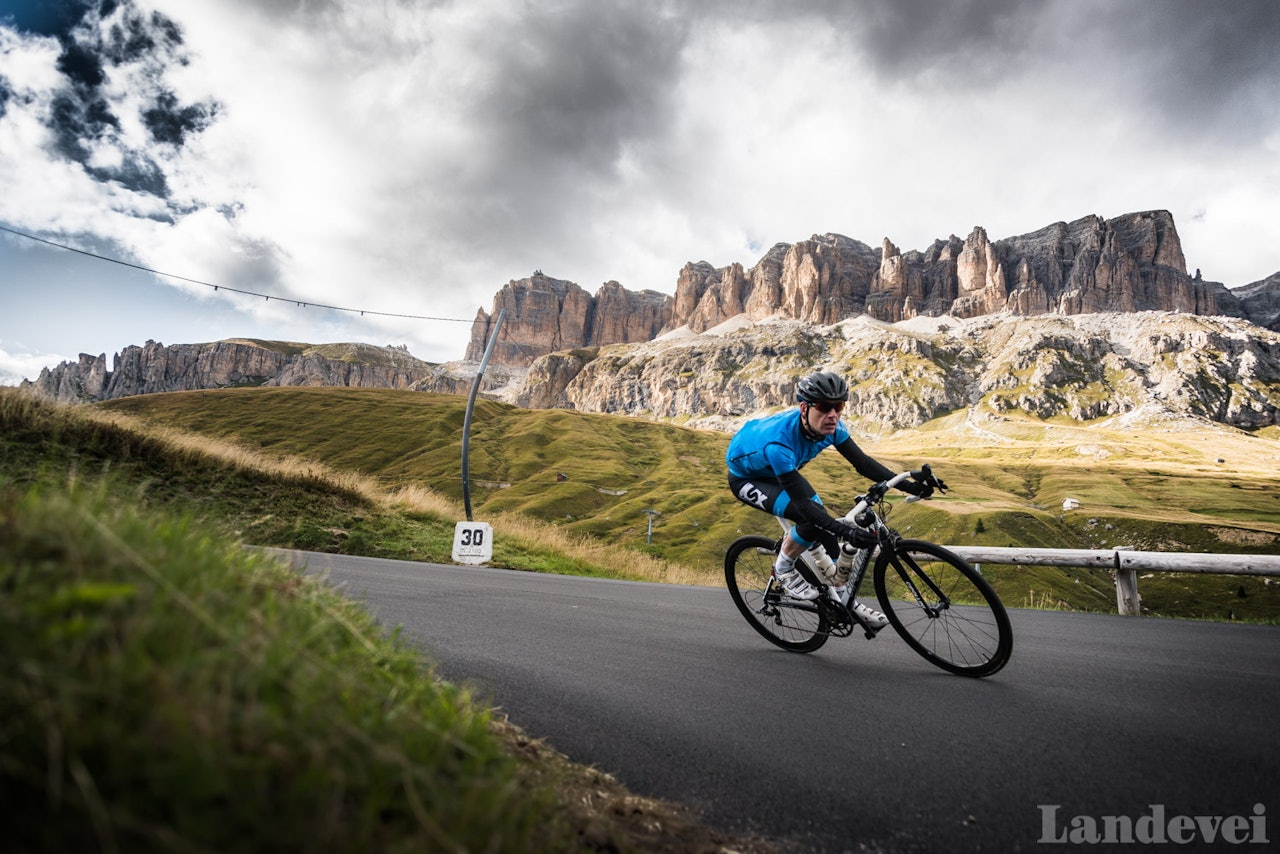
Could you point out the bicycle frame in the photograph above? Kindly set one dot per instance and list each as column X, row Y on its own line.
column 937, row 603
column 864, row 515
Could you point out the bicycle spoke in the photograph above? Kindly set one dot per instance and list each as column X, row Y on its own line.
column 944, row 609
column 792, row 625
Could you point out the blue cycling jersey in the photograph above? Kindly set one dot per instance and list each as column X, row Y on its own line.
column 774, row 445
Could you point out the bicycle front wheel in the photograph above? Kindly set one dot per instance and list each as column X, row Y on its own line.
column 943, row 608
column 793, row 625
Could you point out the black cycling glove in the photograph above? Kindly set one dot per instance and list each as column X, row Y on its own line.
column 860, row 538
column 915, row 487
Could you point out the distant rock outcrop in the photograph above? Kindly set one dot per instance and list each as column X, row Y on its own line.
column 901, row 375
column 1126, row 264
column 235, row 362
column 1261, row 301
column 544, row 315
column 1090, row 319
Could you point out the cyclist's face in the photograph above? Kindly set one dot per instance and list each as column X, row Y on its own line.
column 822, row 418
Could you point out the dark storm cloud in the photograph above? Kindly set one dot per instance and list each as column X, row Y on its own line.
column 169, row 122
column 81, row 64
column 82, row 115
column 906, row 37
column 1185, row 65
column 1210, row 69
column 565, row 96
column 578, row 85
column 77, row 117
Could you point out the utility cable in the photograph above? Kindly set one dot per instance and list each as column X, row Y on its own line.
column 268, row 297
column 304, row 304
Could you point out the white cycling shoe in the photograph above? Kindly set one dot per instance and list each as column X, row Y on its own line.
column 794, row 585
column 870, row 616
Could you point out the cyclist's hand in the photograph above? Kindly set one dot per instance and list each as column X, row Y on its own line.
column 924, row 482
column 917, row 488
column 911, row 487
column 859, row 538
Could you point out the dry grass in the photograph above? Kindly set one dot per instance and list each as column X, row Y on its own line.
column 415, row 498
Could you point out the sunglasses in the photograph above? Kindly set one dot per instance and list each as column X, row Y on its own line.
column 824, row 408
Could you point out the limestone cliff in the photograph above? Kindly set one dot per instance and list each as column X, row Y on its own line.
column 1125, row 264
column 544, row 315
column 155, row 367
column 1261, row 301
column 1083, row 366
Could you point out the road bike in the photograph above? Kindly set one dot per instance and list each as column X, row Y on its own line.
column 939, row 604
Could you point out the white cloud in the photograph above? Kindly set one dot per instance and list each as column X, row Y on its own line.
column 413, row 158
column 20, row 365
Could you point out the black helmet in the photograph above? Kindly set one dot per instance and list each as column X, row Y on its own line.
column 822, row 387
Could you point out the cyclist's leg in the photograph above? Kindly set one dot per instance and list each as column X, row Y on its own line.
column 768, row 495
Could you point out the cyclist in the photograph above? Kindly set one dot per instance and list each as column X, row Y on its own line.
column 765, row 457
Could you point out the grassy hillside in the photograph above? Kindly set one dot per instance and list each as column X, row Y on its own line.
column 1164, row 488
column 170, row 690
column 136, row 619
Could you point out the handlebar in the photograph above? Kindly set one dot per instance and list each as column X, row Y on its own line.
column 924, row 476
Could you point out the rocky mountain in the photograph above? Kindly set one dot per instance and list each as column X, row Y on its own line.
column 155, row 367
column 544, row 315
column 1126, row 264
column 1261, row 301
column 1087, row 366
column 1090, row 319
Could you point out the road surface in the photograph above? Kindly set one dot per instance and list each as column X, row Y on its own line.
column 862, row 745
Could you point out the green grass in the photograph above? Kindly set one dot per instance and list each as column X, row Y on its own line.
column 583, row 474
column 263, row 498
column 165, row 689
column 595, row 475
column 168, row 689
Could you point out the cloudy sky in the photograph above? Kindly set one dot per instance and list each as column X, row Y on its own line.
column 410, row 157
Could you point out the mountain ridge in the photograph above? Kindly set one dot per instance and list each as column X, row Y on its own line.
column 1128, row 263
column 916, row 332
column 1143, row 366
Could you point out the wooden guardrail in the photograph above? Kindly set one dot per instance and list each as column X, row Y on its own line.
column 1126, row 564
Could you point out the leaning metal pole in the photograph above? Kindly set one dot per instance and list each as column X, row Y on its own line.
column 471, row 403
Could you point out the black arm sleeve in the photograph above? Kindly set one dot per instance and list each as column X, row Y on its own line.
column 865, row 466
column 805, row 510
column 871, row 469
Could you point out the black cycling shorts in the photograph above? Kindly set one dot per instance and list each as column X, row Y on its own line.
column 768, row 494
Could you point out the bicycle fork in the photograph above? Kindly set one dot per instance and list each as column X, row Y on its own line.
column 933, row 612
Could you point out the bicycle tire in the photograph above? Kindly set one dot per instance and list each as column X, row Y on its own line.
column 795, row 626
column 963, row 627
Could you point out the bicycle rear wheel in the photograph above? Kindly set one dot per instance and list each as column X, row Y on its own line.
column 943, row 608
column 793, row 625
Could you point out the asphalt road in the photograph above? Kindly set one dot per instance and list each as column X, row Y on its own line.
column 862, row 745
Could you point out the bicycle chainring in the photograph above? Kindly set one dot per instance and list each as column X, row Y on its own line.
column 840, row 622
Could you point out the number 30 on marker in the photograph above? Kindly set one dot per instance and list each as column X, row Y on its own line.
column 472, row 542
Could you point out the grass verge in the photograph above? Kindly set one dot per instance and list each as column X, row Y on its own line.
column 167, row 689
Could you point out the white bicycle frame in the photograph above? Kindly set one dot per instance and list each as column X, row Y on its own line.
column 862, row 558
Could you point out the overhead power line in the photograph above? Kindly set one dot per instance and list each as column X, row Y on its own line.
column 268, row 297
